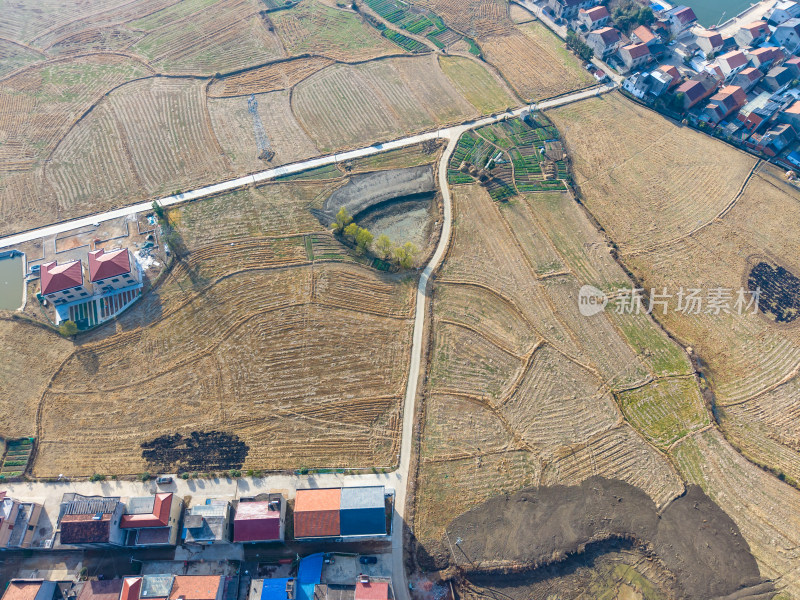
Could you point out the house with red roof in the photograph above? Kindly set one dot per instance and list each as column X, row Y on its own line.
column 696, row 89
column 18, row 521
column 113, row 270
column 709, row 42
column 680, row 19
column 604, row 41
column 725, row 102
column 594, row 18
column 260, row 521
column 368, row 589
column 63, row 283
column 732, row 63
column 152, row 520
column 89, row 521
column 752, row 34
column 672, row 72
column 316, row 513
column 635, row 55
column 747, row 78
column 762, row 58
column 568, row 9
column 643, row 35
column 173, row 587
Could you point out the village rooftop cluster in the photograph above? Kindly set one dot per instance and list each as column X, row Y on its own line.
column 738, row 81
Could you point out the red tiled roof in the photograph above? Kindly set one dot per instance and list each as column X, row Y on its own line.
column 372, row 590
column 107, row 589
column 751, row 74
column 794, row 109
column 757, row 28
column 195, row 587
column 56, row 277
column 131, row 588
column 162, row 505
column 685, row 15
column 734, row 59
column 254, row 522
column 609, row 35
column 85, row 529
column 637, row 50
column 596, row 13
column 104, row 264
column 22, row 590
column 644, row 34
column 672, row 71
column 316, row 512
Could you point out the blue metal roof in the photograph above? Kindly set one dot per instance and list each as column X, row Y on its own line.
column 274, row 589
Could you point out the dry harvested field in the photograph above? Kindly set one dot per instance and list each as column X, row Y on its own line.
column 535, row 62
column 522, row 389
column 269, row 78
column 269, row 330
column 689, row 212
column 342, row 105
column 312, row 27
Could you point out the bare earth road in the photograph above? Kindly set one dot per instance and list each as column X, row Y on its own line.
column 397, row 480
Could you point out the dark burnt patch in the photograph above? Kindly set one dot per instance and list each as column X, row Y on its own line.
column 201, row 450
column 780, row 291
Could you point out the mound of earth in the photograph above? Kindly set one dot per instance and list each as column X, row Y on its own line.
column 371, row 189
column 693, row 538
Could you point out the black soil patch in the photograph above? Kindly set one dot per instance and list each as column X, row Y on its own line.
column 200, row 451
column 780, row 291
column 693, row 538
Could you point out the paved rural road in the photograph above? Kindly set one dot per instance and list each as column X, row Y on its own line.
column 51, row 492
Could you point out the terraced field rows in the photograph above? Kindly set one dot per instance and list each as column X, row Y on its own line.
column 276, row 76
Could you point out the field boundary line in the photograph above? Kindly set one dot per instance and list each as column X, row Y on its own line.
column 490, row 337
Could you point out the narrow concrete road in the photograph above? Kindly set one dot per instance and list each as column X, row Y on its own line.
column 51, row 492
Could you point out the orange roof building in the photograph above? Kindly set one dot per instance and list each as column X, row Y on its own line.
column 316, row 513
column 196, row 587
column 22, row 589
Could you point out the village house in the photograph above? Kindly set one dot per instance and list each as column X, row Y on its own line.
column 207, row 524
column 671, row 72
column 782, row 11
column 791, row 115
column 709, row 42
column 696, row 89
column 37, row 589
column 604, row 42
column 732, row 63
column 774, row 141
column 764, row 57
column 90, row 521
column 63, row 283
column 787, row 35
column 725, row 102
column 793, row 64
column 113, row 270
column 758, row 111
column 173, row 587
column 643, row 35
column 638, row 84
column 635, row 55
column 752, row 34
column 747, row 79
column 594, row 18
column 340, row 512
column 680, row 19
column 777, row 77
column 568, row 9
column 260, row 521
column 152, row 520
column 18, row 522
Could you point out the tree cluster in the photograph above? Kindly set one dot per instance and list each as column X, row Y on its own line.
column 629, row 15
column 403, row 256
column 579, row 47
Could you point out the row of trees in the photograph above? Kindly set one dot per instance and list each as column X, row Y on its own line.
column 579, row 47
column 403, row 256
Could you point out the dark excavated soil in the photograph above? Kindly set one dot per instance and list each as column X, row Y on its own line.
column 200, row 451
column 780, row 291
column 693, row 539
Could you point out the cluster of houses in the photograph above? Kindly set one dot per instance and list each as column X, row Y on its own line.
column 161, row 519
column 95, row 291
column 147, row 587
column 742, row 86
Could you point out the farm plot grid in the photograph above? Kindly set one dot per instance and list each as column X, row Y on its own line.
column 416, row 21
column 510, row 158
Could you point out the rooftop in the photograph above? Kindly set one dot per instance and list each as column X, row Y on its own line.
column 20, row 589
column 108, row 589
column 55, row 277
column 318, row 499
column 644, row 34
column 372, row 590
column 362, row 497
column 195, row 587
column 156, row 586
column 103, row 265
column 147, row 512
